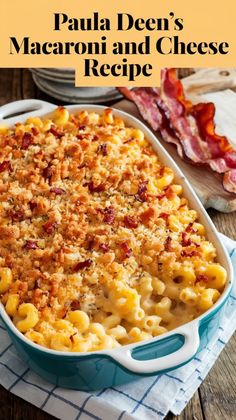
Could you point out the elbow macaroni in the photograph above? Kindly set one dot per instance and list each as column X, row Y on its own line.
column 111, row 252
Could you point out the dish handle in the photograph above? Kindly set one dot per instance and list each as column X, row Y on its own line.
column 10, row 113
column 173, row 360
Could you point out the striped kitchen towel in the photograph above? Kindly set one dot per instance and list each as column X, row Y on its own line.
column 148, row 398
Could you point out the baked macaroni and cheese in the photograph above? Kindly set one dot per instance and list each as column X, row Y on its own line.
column 98, row 247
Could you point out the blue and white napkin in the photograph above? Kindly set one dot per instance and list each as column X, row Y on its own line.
column 148, row 398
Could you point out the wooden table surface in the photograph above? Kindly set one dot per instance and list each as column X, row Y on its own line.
column 216, row 397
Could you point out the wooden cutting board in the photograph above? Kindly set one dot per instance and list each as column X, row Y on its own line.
column 207, row 184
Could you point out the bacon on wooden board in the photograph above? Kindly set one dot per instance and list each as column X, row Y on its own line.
column 190, row 127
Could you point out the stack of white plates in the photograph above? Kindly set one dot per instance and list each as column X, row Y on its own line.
column 60, row 84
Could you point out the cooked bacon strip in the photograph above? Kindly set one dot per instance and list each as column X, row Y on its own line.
column 183, row 124
column 152, row 109
column 214, row 150
column 219, row 146
column 145, row 100
column 229, row 181
column 190, row 127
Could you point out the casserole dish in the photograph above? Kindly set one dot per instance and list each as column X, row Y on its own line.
column 97, row 369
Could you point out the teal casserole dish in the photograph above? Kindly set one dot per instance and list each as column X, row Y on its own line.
column 99, row 369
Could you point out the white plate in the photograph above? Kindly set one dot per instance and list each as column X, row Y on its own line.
column 63, row 71
column 68, row 93
column 54, row 77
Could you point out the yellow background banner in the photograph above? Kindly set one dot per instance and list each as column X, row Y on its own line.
column 203, row 22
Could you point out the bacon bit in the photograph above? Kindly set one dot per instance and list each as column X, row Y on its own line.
column 35, row 131
column 130, row 222
column 75, row 305
column 169, row 193
column 167, row 243
column 186, row 241
column 142, row 191
column 104, row 247
column 95, row 137
column 37, row 284
column 57, row 191
column 72, row 337
column 31, row 245
column 189, row 228
column 98, row 188
column 5, row 166
column 57, row 133
column 16, row 216
column 50, row 227
column 160, row 196
column 83, row 264
column 190, row 254
column 126, row 250
column 164, row 216
column 147, row 215
column 103, row 148
column 48, row 172
column 109, row 215
column 82, row 127
column 80, row 136
column 83, row 165
column 202, row 277
column 32, row 205
column 26, row 141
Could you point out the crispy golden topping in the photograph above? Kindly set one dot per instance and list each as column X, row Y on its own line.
column 92, row 224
